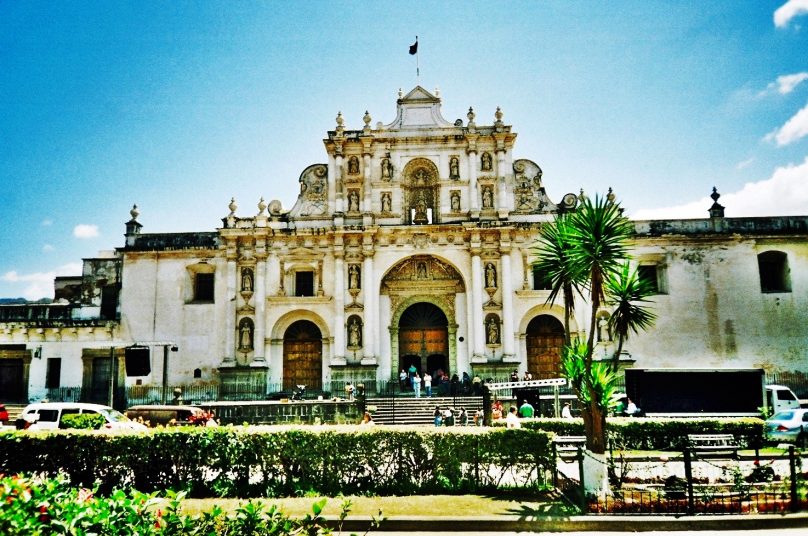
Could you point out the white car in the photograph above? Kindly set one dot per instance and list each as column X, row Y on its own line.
column 48, row 416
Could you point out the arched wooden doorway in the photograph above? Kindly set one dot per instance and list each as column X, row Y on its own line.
column 302, row 356
column 545, row 339
column 423, row 338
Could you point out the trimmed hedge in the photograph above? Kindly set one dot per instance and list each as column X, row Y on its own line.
column 657, row 433
column 284, row 461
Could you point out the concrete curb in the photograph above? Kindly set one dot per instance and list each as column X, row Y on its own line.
column 604, row 523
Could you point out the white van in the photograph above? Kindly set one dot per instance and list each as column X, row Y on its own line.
column 48, row 416
column 780, row 397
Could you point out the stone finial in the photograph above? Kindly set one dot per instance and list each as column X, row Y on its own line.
column 498, row 115
column 437, row 92
column 582, row 195
column 716, row 211
column 366, row 119
column 340, row 120
column 471, row 115
column 232, row 206
column 610, row 197
column 261, row 206
column 400, row 93
column 134, row 212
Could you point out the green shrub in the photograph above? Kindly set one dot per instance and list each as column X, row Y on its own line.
column 286, row 461
column 657, row 433
column 83, row 421
column 50, row 506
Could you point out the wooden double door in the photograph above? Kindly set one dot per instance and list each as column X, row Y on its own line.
column 545, row 341
column 303, row 356
column 423, row 339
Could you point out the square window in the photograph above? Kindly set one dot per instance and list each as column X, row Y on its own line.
column 650, row 273
column 203, row 287
column 540, row 281
column 304, row 283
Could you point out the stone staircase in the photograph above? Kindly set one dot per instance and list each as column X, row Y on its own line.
column 411, row 410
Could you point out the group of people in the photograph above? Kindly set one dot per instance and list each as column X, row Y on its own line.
column 525, row 378
column 447, row 417
column 411, row 380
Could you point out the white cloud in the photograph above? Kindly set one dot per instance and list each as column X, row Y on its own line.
column 784, row 84
column 794, row 129
column 40, row 284
column 47, row 223
column 84, row 230
column 47, row 248
column 789, row 10
column 785, row 193
column 745, row 164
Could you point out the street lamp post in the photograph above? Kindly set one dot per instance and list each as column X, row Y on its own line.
column 165, row 368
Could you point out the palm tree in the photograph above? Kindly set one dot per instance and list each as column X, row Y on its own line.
column 583, row 251
column 553, row 264
column 626, row 291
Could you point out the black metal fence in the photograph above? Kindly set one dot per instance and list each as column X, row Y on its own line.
column 690, row 496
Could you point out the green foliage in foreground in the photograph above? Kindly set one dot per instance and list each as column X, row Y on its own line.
column 287, row 461
column 657, row 433
column 33, row 507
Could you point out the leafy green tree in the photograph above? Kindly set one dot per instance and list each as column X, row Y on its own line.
column 586, row 252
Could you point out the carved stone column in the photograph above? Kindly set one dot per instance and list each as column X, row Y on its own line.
column 338, row 328
column 230, row 313
column 502, row 203
column 259, row 356
column 371, row 319
column 474, row 202
column 478, row 331
column 338, row 186
column 507, row 306
column 366, row 204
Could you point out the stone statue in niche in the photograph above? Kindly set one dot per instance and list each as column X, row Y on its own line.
column 355, row 333
column 455, row 200
column 490, row 275
column 387, row 169
column 246, row 280
column 245, row 338
column 492, row 331
column 454, row 168
column 420, row 209
column 488, row 197
column 485, row 162
column 353, row 165
column 421, row 177
column 603, row 330
column 386, row 202
column 420, row 269
column 353, row 201
column 354, row 280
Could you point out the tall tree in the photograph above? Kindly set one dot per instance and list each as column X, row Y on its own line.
column 586, row 251
column 627, row 293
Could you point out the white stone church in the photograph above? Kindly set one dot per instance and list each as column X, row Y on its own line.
column 411, row 244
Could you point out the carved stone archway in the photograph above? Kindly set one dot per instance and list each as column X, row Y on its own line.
column 423, row 279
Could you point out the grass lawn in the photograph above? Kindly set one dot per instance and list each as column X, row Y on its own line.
column 413, row 505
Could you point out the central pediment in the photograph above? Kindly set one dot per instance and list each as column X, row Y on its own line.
column 419, row 109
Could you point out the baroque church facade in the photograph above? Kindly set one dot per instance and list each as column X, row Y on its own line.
column 412, row 244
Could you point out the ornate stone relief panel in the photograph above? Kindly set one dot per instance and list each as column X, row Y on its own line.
column 313, row 200
column 528, row 192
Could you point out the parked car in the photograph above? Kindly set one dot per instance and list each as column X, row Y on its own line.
column 167, row 415
column 49, row 416
column 789, row 426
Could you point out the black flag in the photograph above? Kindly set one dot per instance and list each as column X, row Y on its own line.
column 414, row 47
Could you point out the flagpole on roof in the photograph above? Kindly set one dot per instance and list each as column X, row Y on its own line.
column 414, row 51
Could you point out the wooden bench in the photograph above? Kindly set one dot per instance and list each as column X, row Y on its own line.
column 567, row 446
column 705, row 445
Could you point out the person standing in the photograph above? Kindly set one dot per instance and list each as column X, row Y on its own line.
column 512, row 421
column 411, row 372
column 428, row 384
column 402, row 379
column 526, row 410
column 416, row 385
column 566, row 412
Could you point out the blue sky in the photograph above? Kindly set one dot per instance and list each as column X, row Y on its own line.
column 179, row 106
